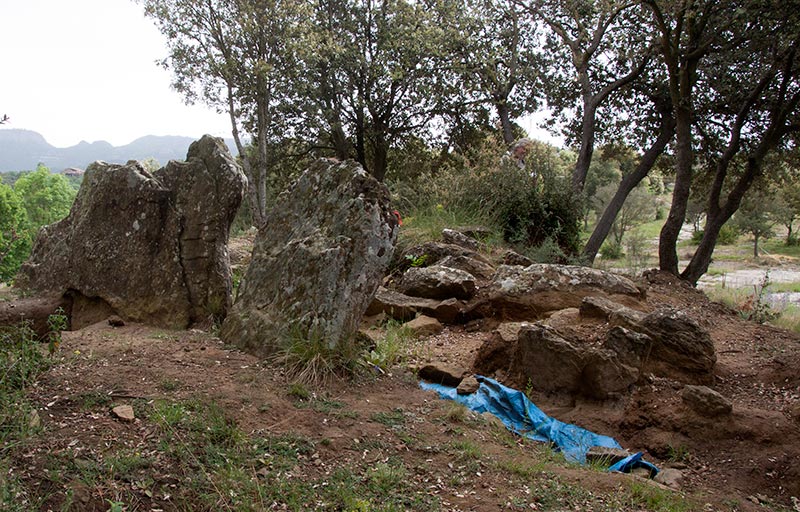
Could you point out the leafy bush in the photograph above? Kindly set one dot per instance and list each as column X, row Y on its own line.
column 528, row 204
column 728, row 235
column 612, row 251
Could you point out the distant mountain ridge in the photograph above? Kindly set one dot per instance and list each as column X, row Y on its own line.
column 22, row 150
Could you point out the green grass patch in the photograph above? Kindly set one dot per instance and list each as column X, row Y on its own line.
column 392, row 348
column 395, row 418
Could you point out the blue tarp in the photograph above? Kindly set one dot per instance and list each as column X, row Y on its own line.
column 521, row 416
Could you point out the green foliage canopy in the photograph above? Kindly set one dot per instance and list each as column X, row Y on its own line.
column 15, row 240
column 46, row 197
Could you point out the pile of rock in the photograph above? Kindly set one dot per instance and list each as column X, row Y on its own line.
column 541, row 315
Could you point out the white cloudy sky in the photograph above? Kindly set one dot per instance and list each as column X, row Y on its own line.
column 77, row 70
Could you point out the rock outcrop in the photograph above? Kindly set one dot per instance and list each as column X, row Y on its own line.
column 681, row 348
column 527, row 293
column 438, row 282
column 316, row 263
column 152, row 247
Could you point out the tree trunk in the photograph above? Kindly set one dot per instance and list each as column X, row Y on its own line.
column 587, row 147
column 755, row 245
column 505, row 122
column 381, row 154
column 252, row 194
column 668, row 239
column 627, row 184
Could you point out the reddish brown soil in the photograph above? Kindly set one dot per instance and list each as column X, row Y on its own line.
column 729, row 464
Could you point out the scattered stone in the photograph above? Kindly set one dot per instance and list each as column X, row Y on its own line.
column 468, row 386
column 604, row 375
column 34, row 421
column 670, row 477
column 153, row 246
column 496, row 352
column 442, row 373
column 474, row 266
column 317, row 262
column 115, row 321
column 705, row 401
column 610, row 311
column 563, row 319
column 630, row 347
column 400, row 306
column 124, row 413
column 546, row 360
column 641, row 472
column 431, row 253
column 514, row 258
column 438, row 282
column 451, row 236
column 424, row 326
column 682, row 350
column 606, row 456
column 448, row 311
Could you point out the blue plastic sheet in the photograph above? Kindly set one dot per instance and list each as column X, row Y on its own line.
column 521, row 416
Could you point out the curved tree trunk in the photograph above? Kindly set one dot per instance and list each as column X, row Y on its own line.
column 627, row 184
column 668, row 239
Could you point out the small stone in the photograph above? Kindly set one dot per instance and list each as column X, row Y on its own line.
column 705, row 401
column 124, row 413
column 451, row 236
column 424, row 326
column 670, row 477
column 34, row 421
column 440, row 373
column 115, row 321
column 468, row 386
column 641, row 472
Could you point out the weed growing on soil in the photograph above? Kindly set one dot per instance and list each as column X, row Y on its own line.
column 392, row 348
column 56, row 323
column 21, row 362
column 395, row 418
column 308, row 358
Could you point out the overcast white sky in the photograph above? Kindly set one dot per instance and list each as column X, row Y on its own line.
column 77, row 70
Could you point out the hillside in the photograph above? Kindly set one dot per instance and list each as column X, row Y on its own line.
column 24, row 149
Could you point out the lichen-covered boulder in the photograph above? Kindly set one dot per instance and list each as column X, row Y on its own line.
column 317, row 261
column 151, row 246
column 546, row 361
column 526, row 293
column 681, row 349
column 438, row 282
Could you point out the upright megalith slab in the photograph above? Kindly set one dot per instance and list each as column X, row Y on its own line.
column 316, row 263
column 152, row 246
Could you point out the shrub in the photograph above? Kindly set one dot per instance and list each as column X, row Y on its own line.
column 528, row 205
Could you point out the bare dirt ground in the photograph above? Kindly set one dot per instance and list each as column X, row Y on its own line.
column 353, row 433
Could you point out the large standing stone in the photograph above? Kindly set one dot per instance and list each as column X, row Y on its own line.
column 153, row 247
column 317, row 262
